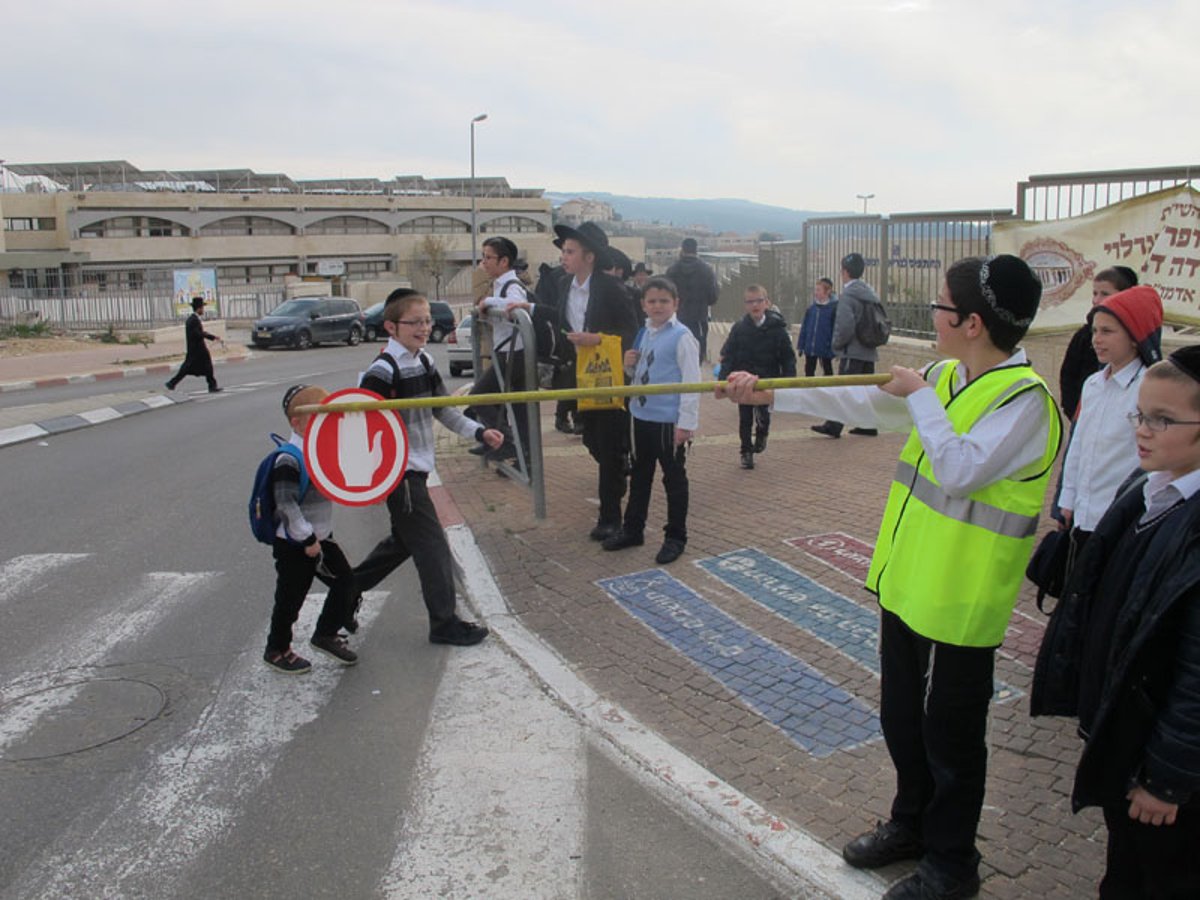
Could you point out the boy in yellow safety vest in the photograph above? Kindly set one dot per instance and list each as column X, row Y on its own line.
column 955, row 539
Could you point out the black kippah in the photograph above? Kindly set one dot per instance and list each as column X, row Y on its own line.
column 1187, row 360
column 290, row 395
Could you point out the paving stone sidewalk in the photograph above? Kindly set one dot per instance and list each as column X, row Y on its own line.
column 733, row 652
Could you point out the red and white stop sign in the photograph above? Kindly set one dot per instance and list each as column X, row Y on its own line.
column 356, row 458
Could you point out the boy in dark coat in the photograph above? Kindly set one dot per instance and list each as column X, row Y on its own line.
column 1122, row 651
column 197, row 361
column 816, row 331
column 758, row 343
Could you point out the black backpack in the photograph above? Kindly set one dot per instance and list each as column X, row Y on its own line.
column 873, row 328
column 548, row 347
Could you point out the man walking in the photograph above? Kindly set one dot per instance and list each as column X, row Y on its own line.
column 697, row 285
column 854, row 357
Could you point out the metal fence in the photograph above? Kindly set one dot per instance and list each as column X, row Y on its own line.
column 1044, row 198
column 906, row 256
column 85, row 309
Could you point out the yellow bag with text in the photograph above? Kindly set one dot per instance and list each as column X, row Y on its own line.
column 600, row 366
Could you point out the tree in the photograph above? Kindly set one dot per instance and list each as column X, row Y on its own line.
column 429, row 264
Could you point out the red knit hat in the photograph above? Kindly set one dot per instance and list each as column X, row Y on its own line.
column 1140, row 312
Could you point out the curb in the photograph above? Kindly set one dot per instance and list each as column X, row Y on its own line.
column 107, row 374
column 61, row 424
column 785, row 850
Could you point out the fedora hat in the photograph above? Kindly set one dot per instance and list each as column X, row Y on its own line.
column 641, row 267
column 612, row 258
column 588, row 234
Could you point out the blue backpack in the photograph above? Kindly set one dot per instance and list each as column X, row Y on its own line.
column 262, row 497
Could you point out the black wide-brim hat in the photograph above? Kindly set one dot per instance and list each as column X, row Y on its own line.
column 589, row 234
column 616, row 259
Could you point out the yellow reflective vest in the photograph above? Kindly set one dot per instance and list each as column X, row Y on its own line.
column 951, row 567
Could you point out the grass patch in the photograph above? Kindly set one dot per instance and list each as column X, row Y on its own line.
column 26, row 330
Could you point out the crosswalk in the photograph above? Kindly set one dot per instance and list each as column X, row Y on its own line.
column 495, row 809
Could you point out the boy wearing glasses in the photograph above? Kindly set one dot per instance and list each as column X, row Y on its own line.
column 758, row 342
column 1122, row 650
column 405, row 370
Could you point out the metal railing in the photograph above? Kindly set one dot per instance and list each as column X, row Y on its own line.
column 528, row 468
column 1043, row 198
column 85, row 308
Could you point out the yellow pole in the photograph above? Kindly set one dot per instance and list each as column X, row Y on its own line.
column 628, row 390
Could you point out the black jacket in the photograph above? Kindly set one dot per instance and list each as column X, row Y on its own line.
column 1078, row 365
column 697, row 285
column 609, row 309
column 764, row 350
column 1147, row 725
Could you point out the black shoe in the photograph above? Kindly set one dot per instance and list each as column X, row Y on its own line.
column 215, row 390
column 603, row 531
column 622, row 539
column 672, row 549
column 918, row 886
column 170, row 386
column 760, row 443
column 564, row 426
column 826, row 430
column 504, row 453
column 747, row 459
column 890, row 842
column 577, row 428
column 335, row 647
column 287, row 662
column 351, row 625
column 458, row 633
column 865, row 432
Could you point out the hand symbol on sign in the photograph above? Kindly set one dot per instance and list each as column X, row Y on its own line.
column 358, row 461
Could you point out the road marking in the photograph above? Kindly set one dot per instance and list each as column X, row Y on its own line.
column 20, row 572
column 499, row 806
column 189, row 796
column 810, row 709
column 103, row 414
column 19, row 433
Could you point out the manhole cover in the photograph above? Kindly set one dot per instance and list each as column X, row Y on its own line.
column 75, row 716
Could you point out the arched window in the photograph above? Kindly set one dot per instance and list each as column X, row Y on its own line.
column 245, row 226
column 133, row 226
column 513, row 225
column 346, row 225
column 434, row 225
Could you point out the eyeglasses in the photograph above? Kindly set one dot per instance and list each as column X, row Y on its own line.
column 415, row 323
column 1154, row 423
column 944, row 308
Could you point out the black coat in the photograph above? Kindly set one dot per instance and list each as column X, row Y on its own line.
column 609, row 309
column 1078, row 365
column 1147, row 725
column 697, row 285
column 764, row 350
column 198, row 361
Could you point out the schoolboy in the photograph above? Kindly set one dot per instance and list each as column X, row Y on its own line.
column 950, row 557
column 303, row 542
column 1122, row 650
column 758, row 342
column 664, row 352
column 405, row 370
column 816, row 331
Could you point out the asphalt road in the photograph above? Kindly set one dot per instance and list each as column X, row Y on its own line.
column 146, row 751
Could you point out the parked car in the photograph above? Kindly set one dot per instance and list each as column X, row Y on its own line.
column 459, row 349
column 442, row 314
column 305, row 321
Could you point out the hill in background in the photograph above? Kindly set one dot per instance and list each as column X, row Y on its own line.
column 739, row 216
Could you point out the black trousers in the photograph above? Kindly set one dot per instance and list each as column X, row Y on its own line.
column 654, row 445
column 699, row 330
column 564, row 379
column 200, row 367
column 810, row 365
column 847, row 366
column 933, row 709
column 751, row 419
column 416, row 532
column 489, row 383
column 606, row 436
column 294, row 573
column 1151, row 861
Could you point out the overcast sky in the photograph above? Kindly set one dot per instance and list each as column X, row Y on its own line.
column 928, row 104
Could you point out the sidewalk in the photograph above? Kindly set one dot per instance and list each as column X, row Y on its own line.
column 743, row 677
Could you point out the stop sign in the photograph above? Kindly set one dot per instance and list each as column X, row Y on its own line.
column 356, row 458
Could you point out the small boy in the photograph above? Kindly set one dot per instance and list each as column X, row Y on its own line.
column 405, row 370
column 664, row 352
column 816, row 332
column 304, row 542
column 1122, row 650
column 758, row 343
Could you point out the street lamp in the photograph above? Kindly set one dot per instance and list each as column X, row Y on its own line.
column 474, row 121
column 864, row 198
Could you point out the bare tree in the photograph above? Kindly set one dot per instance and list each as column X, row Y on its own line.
column 429, row 262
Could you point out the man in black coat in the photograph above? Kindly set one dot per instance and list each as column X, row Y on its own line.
column 197, row 361
column 592, row 303
column 697, row 285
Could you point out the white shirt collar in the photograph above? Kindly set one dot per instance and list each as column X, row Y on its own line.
column 1127, row 373
column 398, row 351
column 655, row 329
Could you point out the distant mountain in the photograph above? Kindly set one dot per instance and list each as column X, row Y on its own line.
column 740, row 216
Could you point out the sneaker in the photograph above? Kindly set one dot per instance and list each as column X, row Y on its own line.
column 826, row 429
column 622, row 539
column 918, row 886
column 760, row 443
column 603, row 531
column 336, row 647
column 747, row 459
column 889, row 842
column 287, row 662
column 672, row 549
column 458, row 633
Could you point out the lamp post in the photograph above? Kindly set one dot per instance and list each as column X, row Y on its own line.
column 474, row 121
column 864, row 198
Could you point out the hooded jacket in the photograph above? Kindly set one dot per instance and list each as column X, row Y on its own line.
column 850, row 307
column 764, row 350
column 697, row 285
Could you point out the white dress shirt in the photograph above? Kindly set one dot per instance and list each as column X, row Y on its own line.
column 577, row 301
column 1103, row 449
column 1007, row 442
column 501, row 330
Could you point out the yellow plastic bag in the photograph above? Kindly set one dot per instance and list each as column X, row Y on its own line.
column 600, row 366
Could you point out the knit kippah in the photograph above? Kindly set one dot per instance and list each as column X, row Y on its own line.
column 290, row 395
column 1187, row 360
column 1011, row 289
